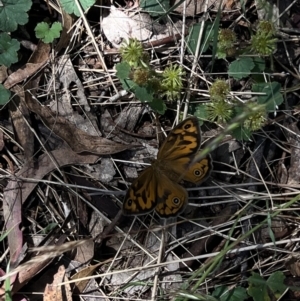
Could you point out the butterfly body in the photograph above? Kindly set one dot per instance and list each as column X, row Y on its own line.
column 157, row 187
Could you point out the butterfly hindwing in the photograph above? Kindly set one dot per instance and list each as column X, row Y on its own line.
column 171, row 198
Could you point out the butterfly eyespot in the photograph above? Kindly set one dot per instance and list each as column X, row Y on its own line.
column 176, row 201
column 197, row 173
column 187, row 126
column 129, row 202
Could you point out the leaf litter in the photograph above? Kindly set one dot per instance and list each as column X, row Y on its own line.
column 65, row 136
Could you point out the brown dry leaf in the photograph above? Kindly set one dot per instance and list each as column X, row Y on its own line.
column 85, row 253
column 18, row 110
column 117, row 26
column 58, row 292
column 294, row 171
column 3, row 73
column 279, row 227
column 37, row 263
column 45, row 164
column 293, row 265
column 19, row 114
column 77, row 139
column 85, row 272
column 2, row 294
column 22, row 74
column 230, row 4
column 35, row 63
column 66, row 33
column 62, row 105
column 194, row 7
column 17, row 192
column 1, row 141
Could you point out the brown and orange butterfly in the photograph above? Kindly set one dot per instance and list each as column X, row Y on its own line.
column 157, row 186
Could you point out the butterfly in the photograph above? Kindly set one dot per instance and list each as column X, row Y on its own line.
column 157, row 187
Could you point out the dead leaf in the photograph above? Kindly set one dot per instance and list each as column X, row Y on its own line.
column 85, row 272
column 65, row 36
column 68, row 76
column 3, row 73
column 118, row 26
column 1, row 141
column 194, row 7
column 85, row 253
column 293, row 265
column 293, row 139
column 35, row 63
column 58, row 292
column 16, row 192
column 45, row 164
column 22, row 74
column 21, row 122
column 77, row 139
column 38, row 262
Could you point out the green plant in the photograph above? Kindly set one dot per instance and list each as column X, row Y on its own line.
column 172, row 82
column 46, row 33
column 71, row 7
column 8, row 50
column 226, row 40
column 258, row 288
column 149, row 86
column 14, row 13
column 133, row 53
column 263, row 42
column 257, row 285
column 207, row 38
column 155, row 7
column 221, row 110
column 4, row 95
column 219, row 90
column 261, row 289
column 7, row 286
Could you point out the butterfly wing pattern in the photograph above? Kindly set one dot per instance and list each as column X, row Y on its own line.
column 157, row 187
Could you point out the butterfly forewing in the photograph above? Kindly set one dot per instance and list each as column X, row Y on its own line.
column 141, row 195
column 182, row 142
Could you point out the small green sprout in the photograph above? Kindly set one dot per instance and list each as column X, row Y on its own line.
column 137, row 76
column 154, row 84
column 48, row 33
column 141, row 76
column 263, row 42
column 265, row 27
column 172, row 81
column 219, row 111
column 219, row 90
column 257, row 119
column 226, row 40
column 133, row 53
